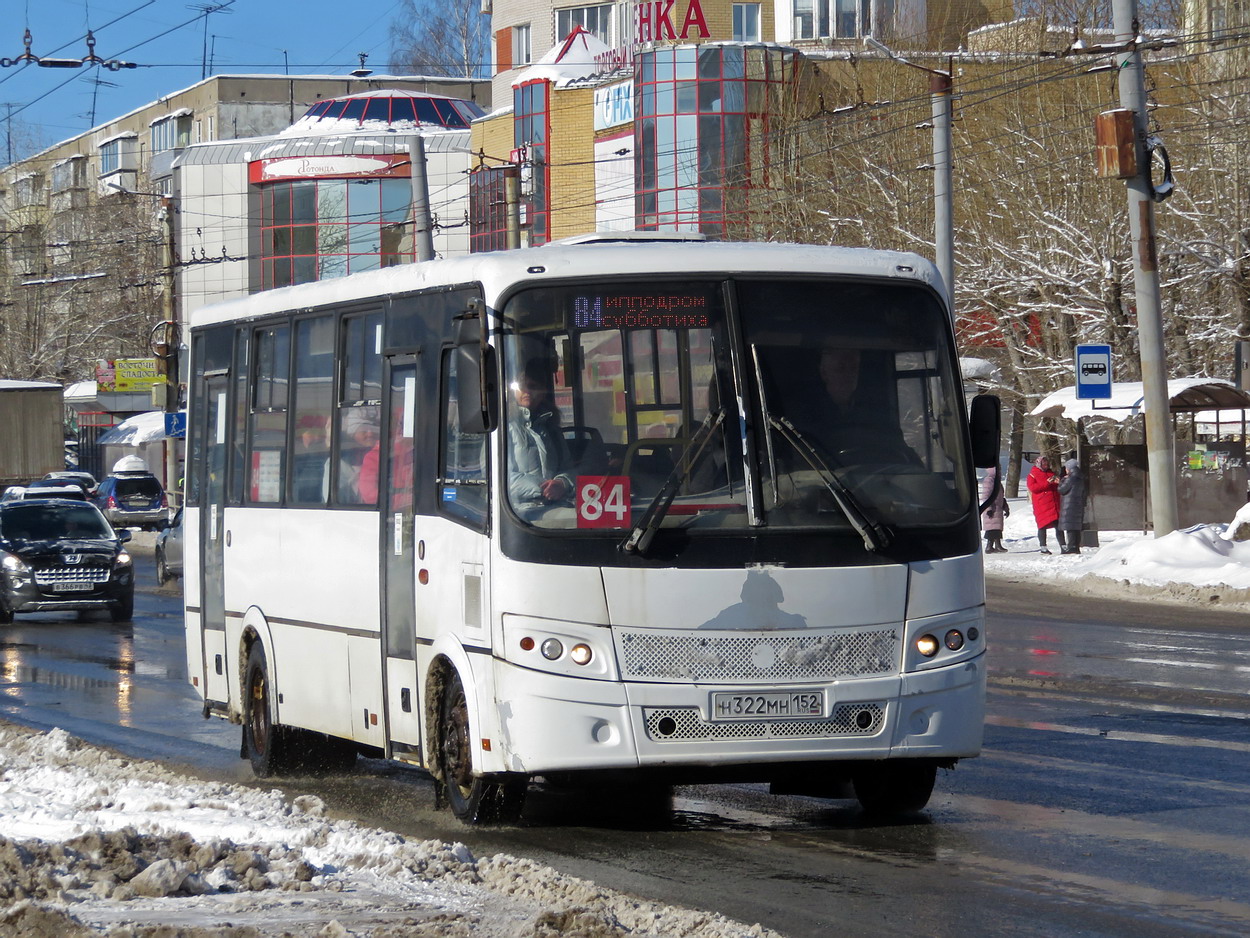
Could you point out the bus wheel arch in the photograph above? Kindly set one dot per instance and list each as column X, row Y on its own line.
column 473, row 798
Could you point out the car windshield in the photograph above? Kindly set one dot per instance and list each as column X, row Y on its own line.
column 814, row 397
column 52, row 522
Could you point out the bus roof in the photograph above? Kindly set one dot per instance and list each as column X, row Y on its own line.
column 500, row 270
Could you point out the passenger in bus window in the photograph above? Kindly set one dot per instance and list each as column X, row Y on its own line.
column 358, row 459
column 539, row 468
column 311, row 463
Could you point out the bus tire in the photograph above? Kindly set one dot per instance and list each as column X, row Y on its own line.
column 895, row 786
column 268, row 745
column 473, row 799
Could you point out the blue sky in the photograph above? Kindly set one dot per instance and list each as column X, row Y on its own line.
column 249, row 37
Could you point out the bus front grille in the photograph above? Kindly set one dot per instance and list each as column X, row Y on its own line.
column 655, row 655
column 682, row 724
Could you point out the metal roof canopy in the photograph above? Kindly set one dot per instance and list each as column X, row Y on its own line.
column 1185, row 396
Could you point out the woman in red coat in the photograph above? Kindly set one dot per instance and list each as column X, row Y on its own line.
column 1044, row 487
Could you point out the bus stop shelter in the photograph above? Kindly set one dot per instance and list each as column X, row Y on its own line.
column 1211, row 473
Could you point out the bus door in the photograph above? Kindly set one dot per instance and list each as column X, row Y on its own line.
column 212, row 487
column 398, row 565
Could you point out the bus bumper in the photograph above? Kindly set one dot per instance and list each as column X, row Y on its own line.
column 556, row 723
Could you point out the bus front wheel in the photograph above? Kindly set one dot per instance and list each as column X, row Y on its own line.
column 267, row 744
column 473, row 799
column 895, row 786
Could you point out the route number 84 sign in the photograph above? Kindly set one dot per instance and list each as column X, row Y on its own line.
column 602, row 502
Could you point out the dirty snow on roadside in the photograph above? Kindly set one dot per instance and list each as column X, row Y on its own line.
column 93, row 844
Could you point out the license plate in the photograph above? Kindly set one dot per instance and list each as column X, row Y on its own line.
column 730, row 705
column 73, row 586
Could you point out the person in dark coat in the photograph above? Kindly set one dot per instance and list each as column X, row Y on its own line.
column 1044, row 488
column 1073, row 489
column 995, row 513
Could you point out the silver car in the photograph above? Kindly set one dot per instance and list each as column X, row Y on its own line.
column 169, row 550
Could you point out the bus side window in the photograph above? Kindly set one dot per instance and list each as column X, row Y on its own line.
column 271, row 382
column 462, row 484
column 314, row 378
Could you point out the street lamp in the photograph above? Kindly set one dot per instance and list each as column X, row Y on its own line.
column 940, row 85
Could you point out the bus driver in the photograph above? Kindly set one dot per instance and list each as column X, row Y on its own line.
column 538, row 472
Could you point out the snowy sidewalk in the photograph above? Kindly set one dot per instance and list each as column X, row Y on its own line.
column 1195, row 564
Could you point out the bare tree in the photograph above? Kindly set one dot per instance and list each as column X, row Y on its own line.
column 441, row 37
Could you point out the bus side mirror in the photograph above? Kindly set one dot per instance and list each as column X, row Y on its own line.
column 476, row 386
column 984, row 425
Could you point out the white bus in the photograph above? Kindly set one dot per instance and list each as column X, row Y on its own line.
column 682, row 511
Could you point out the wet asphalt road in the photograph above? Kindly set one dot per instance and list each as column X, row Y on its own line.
column 1113, row 796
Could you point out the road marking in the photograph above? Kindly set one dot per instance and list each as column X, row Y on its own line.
column 1120, row 735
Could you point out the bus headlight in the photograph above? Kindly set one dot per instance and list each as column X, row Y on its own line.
column 954, row 640
column 574, row 649
column 927, row 645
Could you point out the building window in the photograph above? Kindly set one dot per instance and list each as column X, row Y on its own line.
column 522, row 47
column 110, row 157
column 595, row 19
column 530, row 117
column 488, row 211
column 117, row 154
column 317, row 229
column 703, row 133
column 746, row 22
column 171, row 133
column 834, row 19
column 68, row 174
column 27, row 190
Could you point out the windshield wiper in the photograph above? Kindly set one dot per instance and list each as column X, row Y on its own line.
column 875, row 534
column 643, row 533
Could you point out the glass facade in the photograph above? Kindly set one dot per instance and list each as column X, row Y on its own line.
column 531, row 126
column 704, row 118
column 316, row 229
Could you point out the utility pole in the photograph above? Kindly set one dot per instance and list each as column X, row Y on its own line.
column 940, row 89
column 422, row 223
column 1160, row 451
column 512, row 206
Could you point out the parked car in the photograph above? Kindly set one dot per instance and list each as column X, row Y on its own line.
column 84, row 479
column 169, row 550
column 132, row 497
column 57, row 554
column 51, row 489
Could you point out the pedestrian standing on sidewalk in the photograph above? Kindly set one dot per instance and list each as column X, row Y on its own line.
column 1073, row 489
column 995, row 512
column 1044, row 489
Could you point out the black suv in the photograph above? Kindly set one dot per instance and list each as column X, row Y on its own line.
column 57, row 554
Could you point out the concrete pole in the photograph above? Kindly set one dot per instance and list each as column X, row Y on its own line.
column 1160, row 451
column 512, row 206
column 940, row 85
column 422, row 223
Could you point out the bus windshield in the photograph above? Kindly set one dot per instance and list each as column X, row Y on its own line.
column 774, row 403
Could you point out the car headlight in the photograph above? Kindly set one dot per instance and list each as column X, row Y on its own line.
column 14, row 564
column 123, row 560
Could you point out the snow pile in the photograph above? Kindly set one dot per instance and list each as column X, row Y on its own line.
column 1186, row 565
column 92, row 844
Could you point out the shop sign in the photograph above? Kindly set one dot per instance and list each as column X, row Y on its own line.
column 658, row 20
column 127, row 374
column 614, row 105
column 311, row 167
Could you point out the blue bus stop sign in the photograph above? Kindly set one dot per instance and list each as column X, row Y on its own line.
column 1093, row 372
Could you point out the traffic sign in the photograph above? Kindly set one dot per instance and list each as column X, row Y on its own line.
column 1093, row 372
column 176, row 424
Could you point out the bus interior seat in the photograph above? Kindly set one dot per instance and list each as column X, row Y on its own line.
column 587, row 450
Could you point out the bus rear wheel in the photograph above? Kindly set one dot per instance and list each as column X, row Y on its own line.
column 473, row 799
column 894, row 787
